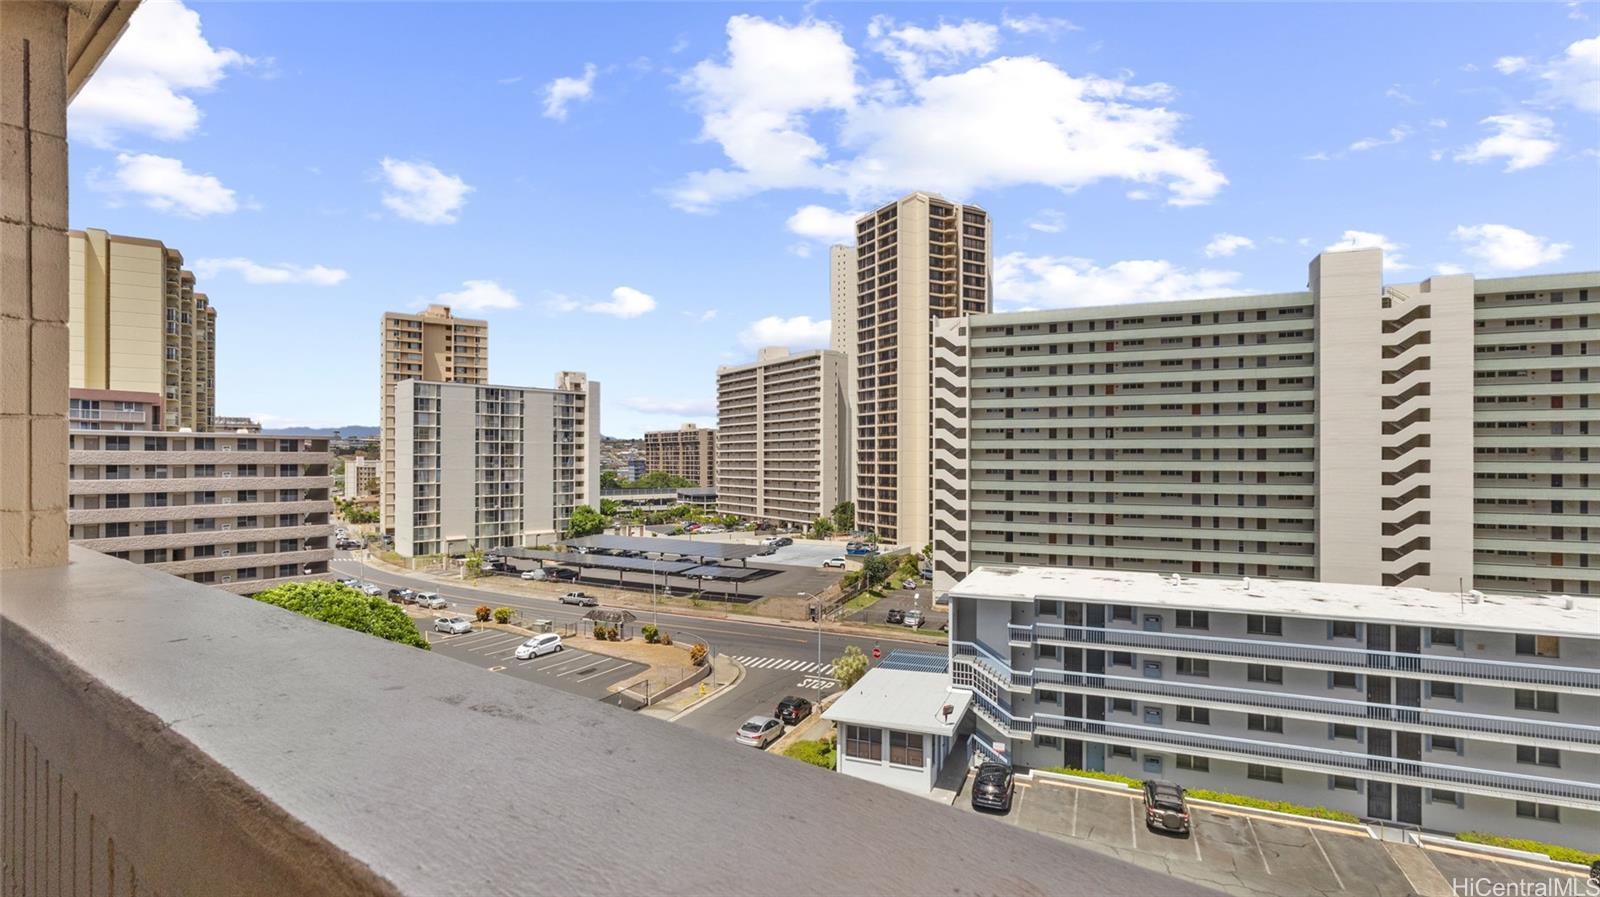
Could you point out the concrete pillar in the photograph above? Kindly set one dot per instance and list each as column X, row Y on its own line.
column 33, row 283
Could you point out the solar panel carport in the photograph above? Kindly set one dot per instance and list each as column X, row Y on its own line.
column 721, row 551
column 606, row 561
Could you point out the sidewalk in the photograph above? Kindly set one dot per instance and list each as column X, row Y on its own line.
column 726, row 674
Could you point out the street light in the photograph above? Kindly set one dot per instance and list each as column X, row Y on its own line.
column 653, row 591
column 819, row 644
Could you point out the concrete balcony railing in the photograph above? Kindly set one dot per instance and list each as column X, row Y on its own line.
column 234, row 561
column 197, row 484
column 245, row 750
column 262, row 509
column 137, row 540
column 196, row 456
column 1577, row 679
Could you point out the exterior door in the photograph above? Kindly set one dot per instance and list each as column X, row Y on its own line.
column 1378, row 800
column 1408, row 804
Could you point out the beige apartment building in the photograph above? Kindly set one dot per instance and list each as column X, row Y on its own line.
column 360, row 477
column 114, row 409
column 486, row 467
column 1440, row 434
column 136, row 324
column 242, row 513
column 689, row 452
column 918, row 259
column 435, row 346
column 235, row 425
column 782, row 436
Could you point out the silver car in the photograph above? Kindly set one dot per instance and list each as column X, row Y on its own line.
column 432, row 600
column 759, row 731
column 372, row 590
column 452, row 625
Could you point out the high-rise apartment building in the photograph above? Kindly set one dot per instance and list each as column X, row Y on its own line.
column 918, row 259
column 782, row 435
column 689, row 452
column 842, row 339
column 1437, row 434
column 136, row 324
column 243, row 513
column 360, row 477
column 485, row 467
column 433, row 346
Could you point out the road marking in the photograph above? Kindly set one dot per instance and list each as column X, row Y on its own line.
column 603, row 672
column 580, row 668
column 494, row 646
column 1252, row 826
column 1133, row 826
column 1074, row 811
column 495, row 669
column 580, row 659
column 1324, row 852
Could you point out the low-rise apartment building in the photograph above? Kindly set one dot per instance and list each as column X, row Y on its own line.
column 782, row 433
column 1448, row 711
column 114, row 409
column 235, row 425
column 479, row 466
column 689, row 452
column 242, row 513
column 1427, row 434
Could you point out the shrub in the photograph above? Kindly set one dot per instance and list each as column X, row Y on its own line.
column 1130, row 781
column 612, row 634
column 502, row 615
column 817, row 753
column 600, row 631
column 1554, row 851
column 344, row 606
column 697, row 654
column 849, row 667
column 1278, row 806
column 666, row 639
column 651, row 634
column 482, row 613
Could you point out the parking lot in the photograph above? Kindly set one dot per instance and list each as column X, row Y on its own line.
column 903, row 600
column 572, row 669
column 1243, row 854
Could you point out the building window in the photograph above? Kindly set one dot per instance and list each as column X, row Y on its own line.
column 1538, row 645
column 1122, row 751
column 1441, row 637
column 1258, row 624
column 1542, row 701
column 1121, row 659
column 1344, row 783
column 1199, row 716
column 1342, row 629
column 905, row 748
column 1441, row 796
column 1152, row 669
column 1260, row 672
column 1344, row 731
column 1343, row 680
column 1444, row 743
column 1527, row 809
column 863, row 743
column 1261, row 723
column 1264, row 773
column 1191, row 666
column 1538, row 756
column 155, row 527
column 1193, row 619
column 116, row 443
column 1449, row 690
column 1193, row 763
column 1122, row 612
column 1121, row 705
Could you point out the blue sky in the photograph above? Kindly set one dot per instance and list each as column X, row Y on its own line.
column 646, row 191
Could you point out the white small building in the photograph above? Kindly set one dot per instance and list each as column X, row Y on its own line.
column 896, row 727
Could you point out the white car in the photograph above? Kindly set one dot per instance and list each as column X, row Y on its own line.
column 759, row 731
column 538, row 646
column 534, row 575
column 372, row 590
column 452, row 625
column 834, row 562
column 350, row 581
column 909, row 584
column 914, row 618
column 432, row 600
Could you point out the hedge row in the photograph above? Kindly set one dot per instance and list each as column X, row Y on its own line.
column 1553, row 851
column 344, row 606
column 1238, row 800
column 817, row 753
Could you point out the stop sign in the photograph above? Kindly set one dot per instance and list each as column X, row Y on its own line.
column 876, row 654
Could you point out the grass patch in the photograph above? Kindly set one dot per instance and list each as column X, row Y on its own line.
column 1221, row 797
column 862, row 601
column 817, row 753
column 1553, row 851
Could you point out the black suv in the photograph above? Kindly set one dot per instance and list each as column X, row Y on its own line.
column 896, row 616
column 1164, row 807
column 992, row 787
column 792, row 710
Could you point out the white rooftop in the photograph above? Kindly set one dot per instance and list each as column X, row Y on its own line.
column 1571, row 615
column 902, row 699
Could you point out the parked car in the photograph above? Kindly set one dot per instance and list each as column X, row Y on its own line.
column 430, row 600
column 397, row 596
column 348, row 581
column 1164, row 807
column 766, row 552
column 452, row 625
column 759, row 731
column 562, row 573
column 908, row 584
column 913, row 618
column 580, row 599
column 1594, row 873
column 992, row 787
column 538, row 646
column 896, row 615
column 770, row 542
column 792, row 710
column 783, row 541
column 834, row 562
column 535, row 575
column 372, row 590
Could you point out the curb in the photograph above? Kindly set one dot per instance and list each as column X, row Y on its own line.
column 1452, row 845
column 1236, row 809
column 738, row 678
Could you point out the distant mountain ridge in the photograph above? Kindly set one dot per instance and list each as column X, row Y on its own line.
column 352, row 432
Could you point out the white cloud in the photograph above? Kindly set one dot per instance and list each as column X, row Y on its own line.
column 1224, row 245
column 1022, row 121
column 514, row 79
column 1396, row 134
column 799, row 332
column 1048, row 221
column 1033, row 23
column 1574, row 77
column 1398, row 95
column 423, row 193
column 479, row 295
column 823, row 223
column 1510, row 65
column 144, row 84
column 1023, row 281
column 1448, row 268
column 167, row 186
column 285, row 273
column 1522, row 139
column 679, row 45
column 1360, row 239
column 1438, row 123
column 709, row 314
column 914, row 50
column 1505, row 248
column 681, row 407
column 561, row 91
column 625, row 302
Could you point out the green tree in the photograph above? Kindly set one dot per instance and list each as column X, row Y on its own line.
column 474, row 563
column 344, row 606
column 849, row 668
column 609, row 507
column 844, row 516
column 586, row 521
column 875, row 569
column 821, row 528
column 608, row 480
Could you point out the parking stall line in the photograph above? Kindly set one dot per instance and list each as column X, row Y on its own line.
column 580, row 659
column 1317, row 841
column 1252, row 826
column 1133, row 824
column 603, row 672
column 493, row 645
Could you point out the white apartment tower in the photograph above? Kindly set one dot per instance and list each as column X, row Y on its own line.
column 919, row 259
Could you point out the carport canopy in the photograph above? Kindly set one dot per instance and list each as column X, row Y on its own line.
column 604, row 561
column 721, row 551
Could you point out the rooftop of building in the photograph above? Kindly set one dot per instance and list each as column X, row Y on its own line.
column 457, row 384
column 907, row 700
column 1570, row 615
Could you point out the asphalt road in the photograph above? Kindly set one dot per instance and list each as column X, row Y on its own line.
column 775, row 656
